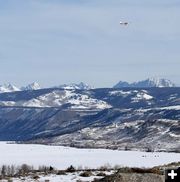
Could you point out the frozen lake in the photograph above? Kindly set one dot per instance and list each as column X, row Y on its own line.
column 63, row 157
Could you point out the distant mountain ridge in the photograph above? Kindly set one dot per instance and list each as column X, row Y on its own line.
column 12, row 88
column 78, row 86
column 36, row 86
column 150, row 82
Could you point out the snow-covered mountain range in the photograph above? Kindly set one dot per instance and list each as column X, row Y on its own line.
column 126, row 118
column 78, row 86
column 36, row 86
column 12, row 88
column 140, row 115
column 150, row 82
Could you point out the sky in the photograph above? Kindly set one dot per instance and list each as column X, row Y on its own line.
column 68, row 41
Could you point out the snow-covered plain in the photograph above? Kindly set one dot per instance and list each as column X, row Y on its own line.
column 62, row 157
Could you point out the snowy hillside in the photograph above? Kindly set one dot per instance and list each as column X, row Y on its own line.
column 57, row 98
column 125, row 118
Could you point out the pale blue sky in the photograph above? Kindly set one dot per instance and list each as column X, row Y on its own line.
column 64, row 41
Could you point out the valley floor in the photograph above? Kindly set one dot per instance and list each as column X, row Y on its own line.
column 62, row 157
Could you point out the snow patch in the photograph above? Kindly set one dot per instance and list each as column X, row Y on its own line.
column 141, row 96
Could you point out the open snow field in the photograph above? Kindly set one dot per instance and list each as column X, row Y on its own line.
column 62, row 157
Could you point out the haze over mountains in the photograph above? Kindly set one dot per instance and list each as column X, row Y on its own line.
column 150, row 82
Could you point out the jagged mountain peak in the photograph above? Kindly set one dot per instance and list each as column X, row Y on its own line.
column 80, row 86
column 32, row 86
column 8, row 88
column 160, row 82
column 149, row 82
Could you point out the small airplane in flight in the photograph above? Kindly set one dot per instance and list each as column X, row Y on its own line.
column 123, row 23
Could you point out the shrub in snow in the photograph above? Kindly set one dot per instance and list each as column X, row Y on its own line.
column 101, row 174
column 71, row 169
column 25, row 169
column 60, row 173
column 86, row 174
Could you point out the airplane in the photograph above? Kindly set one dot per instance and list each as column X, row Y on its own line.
column 123, row 23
